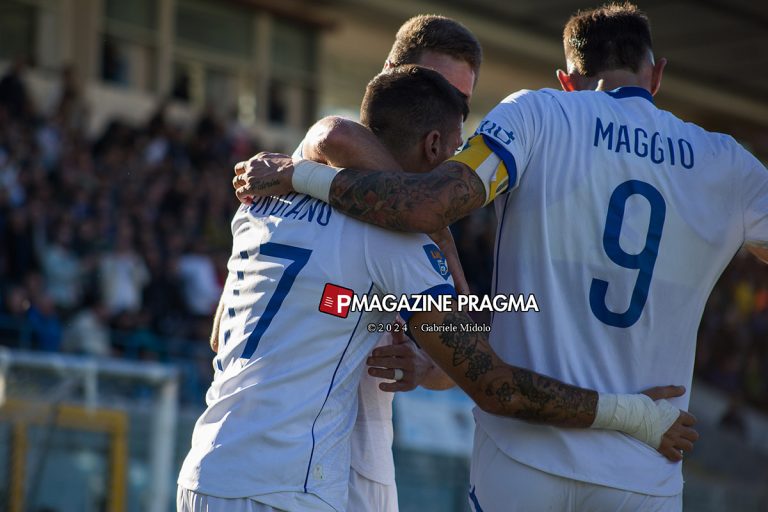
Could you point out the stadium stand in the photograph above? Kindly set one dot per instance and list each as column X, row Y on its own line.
column 117, row 246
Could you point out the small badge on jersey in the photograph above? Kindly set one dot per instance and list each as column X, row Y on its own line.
column 330, row 302
column 438, row 261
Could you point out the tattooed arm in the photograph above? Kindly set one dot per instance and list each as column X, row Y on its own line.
column 495, row 386
column 502, row 389
column 422, row 203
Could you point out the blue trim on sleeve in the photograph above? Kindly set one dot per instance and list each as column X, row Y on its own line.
column 630, row 92
column 506, row 157
column 441, row 289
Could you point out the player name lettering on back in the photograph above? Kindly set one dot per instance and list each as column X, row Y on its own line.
column 658, row 148
column 292, row 206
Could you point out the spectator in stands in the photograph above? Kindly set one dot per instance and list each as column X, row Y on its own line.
column 69, row 106
column 88, row 331
column 13, row 321
column 197, row 272
column 12, row 189
column 123, row 276
column 163, row 296
column 45, row 324
column 19, row 245
column 14, row 97
column 62, row 269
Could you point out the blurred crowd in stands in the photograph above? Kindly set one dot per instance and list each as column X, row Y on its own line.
column 116, row 245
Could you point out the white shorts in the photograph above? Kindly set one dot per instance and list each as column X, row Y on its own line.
column 190, row 501
column 370, row 496
column 499, row 483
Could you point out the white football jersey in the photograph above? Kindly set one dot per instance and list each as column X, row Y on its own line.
column 284, row 395
column 372, row 435
column 620, row 218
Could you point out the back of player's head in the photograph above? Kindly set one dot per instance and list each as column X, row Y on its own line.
column 615, row 36
column 405, row 104
column 429, row 32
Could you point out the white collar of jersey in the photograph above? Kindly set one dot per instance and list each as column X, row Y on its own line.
column 630, row 92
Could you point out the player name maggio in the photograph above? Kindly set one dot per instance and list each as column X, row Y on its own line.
column 424, row 302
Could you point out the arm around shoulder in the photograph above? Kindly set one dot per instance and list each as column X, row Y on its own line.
column 495, row 386
column 422, row 203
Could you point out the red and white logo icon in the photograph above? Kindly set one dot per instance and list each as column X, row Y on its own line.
column 336, row 300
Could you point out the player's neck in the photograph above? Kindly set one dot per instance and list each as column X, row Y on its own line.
column 610, row 80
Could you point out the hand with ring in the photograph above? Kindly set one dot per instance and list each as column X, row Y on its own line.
column 400, row 362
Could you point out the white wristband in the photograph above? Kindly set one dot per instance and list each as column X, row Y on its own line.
column 312, row 178
column 636, row 415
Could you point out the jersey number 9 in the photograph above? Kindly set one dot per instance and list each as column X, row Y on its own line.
column 644, row 261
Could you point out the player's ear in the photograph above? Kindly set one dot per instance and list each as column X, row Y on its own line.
column 566, row 82
column 432, row 150
column 658, row 71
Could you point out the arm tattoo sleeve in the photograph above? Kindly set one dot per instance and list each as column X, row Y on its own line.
column 517, row 392
column 407, row 201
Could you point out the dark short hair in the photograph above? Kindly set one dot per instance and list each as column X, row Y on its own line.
column 404, row 104
column 429, row 32
column 615, row 36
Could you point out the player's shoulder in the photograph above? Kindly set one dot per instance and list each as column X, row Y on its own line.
column 394, row 240
column 719, row 146
column 531, row 97
column 412, row 253
column 526, row 106
column 379, row 243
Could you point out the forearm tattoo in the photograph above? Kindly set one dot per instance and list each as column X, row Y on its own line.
column 408, row 201
column 517, row 392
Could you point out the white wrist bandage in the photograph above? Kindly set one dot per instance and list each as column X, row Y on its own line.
column 312, row 178
column 636, row 415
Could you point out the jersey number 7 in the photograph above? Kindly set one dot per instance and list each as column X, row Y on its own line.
column 298, row 257
column 644, row 261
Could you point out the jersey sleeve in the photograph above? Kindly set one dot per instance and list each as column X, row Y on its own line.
column 500, row 148
column 755, row 200
column 406, row 264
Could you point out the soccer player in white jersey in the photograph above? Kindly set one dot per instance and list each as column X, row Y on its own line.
column 449, row 48
column 285, row 387
column 275, row 434
column 620, row 217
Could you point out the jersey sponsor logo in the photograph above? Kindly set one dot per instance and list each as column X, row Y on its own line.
column 336, row 300
column 438, row 261
column 497, row 132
